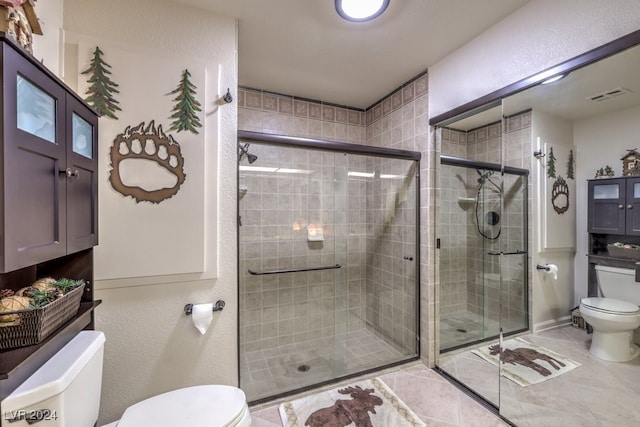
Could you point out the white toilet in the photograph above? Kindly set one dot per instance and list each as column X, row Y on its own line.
column 614, row 316
column 69, row 385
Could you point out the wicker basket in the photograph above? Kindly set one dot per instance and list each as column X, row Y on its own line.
column 618, row 252
column 34, row 325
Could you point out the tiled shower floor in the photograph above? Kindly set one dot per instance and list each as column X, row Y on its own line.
column 464, row 327
column 265, row 373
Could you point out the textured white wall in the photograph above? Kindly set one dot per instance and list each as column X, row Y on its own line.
column 552, row 299
column 151, row 345
column 537, row 36
column 47, row 46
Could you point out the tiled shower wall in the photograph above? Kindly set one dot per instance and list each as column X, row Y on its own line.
column 518, row 153
column 470, row 277
column 276, row 210
column 399, row 121
column 283, row 309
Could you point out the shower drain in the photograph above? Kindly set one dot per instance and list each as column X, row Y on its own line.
column 464, row 331
column 304, row 368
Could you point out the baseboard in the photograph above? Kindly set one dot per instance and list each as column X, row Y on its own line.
column 551, row 324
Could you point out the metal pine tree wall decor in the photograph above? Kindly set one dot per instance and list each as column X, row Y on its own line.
column 101, row 87
column 185, row 112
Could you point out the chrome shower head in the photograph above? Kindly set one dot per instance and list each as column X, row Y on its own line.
column 244, row 151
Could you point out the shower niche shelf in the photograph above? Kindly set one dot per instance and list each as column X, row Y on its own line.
column 466, row 202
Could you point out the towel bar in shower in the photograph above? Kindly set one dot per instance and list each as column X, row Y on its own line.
column 507, row 253
column 294, row 270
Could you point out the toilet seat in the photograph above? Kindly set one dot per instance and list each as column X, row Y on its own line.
column 197, row 406
column 611, row 306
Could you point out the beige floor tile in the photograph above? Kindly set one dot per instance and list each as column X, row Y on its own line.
column 597, row 394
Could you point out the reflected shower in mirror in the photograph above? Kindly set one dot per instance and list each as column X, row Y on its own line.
column 590, row 119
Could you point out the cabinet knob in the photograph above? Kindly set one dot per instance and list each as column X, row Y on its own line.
column 70, row 174
column 629, row 206
column 620, row 206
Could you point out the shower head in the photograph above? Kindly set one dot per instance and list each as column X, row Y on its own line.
column 483, row 175
column 244, row 151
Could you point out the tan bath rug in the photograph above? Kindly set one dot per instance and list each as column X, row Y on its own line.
column 525, row 363
column 363, row 403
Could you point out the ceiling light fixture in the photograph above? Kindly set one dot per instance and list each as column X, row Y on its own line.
column 553, row 79
column 361, row 10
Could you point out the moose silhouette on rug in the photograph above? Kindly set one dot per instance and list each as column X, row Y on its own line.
column 525, row 357
column 346, row 411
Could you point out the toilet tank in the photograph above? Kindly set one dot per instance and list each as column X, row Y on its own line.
column 618, row 283
column 65, row 391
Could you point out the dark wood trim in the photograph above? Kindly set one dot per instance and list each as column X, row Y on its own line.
column 317, row 144
column 594, row 55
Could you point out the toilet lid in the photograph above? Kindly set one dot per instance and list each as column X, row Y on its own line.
column 198, row 406
column 610, row 305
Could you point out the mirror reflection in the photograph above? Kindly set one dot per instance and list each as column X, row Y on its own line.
column 514, row 180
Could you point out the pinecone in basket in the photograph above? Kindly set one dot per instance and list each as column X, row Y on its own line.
column 24, row 292
column 6, row 293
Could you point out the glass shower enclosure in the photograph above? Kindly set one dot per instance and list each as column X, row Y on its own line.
column 328, row 261
column 482, row 229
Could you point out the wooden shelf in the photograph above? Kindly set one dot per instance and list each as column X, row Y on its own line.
column 16, row 365
column 613, row 261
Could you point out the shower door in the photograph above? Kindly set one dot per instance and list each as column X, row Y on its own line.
column 482, row 236
column 327, row 264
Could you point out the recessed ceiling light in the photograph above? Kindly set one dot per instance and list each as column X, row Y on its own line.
column 361, row 10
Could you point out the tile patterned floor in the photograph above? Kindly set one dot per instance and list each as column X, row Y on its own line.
column 598, row 393
column 436, row 401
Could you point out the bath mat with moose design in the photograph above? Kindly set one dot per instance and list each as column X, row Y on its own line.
column 369, row 403
column 525, row 363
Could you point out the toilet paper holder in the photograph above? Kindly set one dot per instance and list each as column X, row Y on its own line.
column 218, row 306
column 543, row 267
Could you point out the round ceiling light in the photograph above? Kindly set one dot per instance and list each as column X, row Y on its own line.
column 361, row 10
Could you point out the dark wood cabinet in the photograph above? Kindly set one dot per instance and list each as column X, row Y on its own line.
column 614, row 206
column 49, row 183
column 48, row 196
column 613, row 217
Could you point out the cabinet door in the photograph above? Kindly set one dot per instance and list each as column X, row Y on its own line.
column 632, row 207
column 607, row 206
column 34, row 212
column 81, row 175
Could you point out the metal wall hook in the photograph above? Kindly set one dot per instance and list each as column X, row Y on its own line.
column 538, row 154
column 218, row 306
column 227, row 97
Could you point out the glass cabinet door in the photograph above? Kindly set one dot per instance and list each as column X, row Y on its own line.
column 606, row 210
column 81, row 172
column 36, row 110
